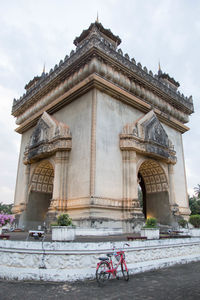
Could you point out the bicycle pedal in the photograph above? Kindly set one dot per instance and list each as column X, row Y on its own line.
column 117, row 277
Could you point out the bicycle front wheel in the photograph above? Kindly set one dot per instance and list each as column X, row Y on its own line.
column 102, row 274
column 124, row 271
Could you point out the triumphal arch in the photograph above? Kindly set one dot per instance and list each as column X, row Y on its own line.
column 93, row 130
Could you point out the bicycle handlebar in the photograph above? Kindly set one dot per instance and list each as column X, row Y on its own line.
column 125, row 244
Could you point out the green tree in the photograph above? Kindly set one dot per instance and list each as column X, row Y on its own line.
column 194, row 204
column 197, row 190
column 6, row 208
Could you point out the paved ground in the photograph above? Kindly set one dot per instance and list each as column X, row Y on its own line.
column 179, row 282
column 22, row 236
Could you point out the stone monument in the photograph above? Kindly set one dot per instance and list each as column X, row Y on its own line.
column 94, row 129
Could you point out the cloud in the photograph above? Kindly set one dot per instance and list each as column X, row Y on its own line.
column 7, row 195
column 35, row 32
column 9, row 149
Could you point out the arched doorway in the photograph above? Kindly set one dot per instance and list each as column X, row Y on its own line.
column 154, row 188
column 40, row 194
column 142, row 194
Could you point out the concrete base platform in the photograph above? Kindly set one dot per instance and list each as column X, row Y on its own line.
column 98, row 232
column 70, row 261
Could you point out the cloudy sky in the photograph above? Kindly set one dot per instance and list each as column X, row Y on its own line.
column 34, row 32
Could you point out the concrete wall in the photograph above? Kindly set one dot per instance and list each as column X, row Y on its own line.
column 180, row 185
column 112, row 116
column 63, row 261
column 77, row 115
column 21, row 178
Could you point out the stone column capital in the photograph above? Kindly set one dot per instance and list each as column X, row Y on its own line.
column 61, row 156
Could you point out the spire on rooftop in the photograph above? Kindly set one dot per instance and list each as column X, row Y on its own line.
column 43, row 72
column 159, row 70
column 97, row 29
column 97, row 19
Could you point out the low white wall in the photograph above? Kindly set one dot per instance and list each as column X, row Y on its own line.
column 22, row 260
column 98, row 232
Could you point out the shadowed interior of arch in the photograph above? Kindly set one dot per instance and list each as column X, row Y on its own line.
column 154, row 191
column 40, row 194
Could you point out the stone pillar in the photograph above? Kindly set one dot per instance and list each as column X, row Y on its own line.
column 130, row 185
column 59, row 199
column 133, row 182
column 132, row 212
column 19, row 208
column 125, row 175
column 27, row 182
column 172, row 199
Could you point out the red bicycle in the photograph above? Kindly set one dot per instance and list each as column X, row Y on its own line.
column 106, row 267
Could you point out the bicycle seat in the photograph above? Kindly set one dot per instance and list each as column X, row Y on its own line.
column 109, row 254
column 103, row 258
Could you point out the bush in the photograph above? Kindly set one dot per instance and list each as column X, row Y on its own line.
column 194, row 204
column 6, row 208
column 151, row 223
column 183, row 223
column 64, row 220
column 195, row 220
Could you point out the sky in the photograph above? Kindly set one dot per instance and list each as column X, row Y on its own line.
column 38, row 32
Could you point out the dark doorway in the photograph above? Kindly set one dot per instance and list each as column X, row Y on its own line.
column 40, row 195
column 142, row 194
column 37, row 209
column 154, row 188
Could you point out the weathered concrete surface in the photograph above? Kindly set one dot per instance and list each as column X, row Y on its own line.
column 96, row 92
column 177, row 283
column 61, row 261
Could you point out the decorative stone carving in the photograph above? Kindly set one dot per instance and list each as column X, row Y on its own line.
column 96, row 65
column 42, row 178
column 175, row 209
column 48, row 137
column 96, row 29
column 148, row 136
column 17, row 209
column 96, row 68
column 154, row 177
column 89, row 41
column 59, row 202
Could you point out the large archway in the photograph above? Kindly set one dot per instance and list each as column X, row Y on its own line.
column 154, row 187
column 40, row 194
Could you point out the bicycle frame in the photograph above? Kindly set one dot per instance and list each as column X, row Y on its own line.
column 113, row 270
column 106, row 267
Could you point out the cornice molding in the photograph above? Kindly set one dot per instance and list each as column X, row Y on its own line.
column 73, row 65
column 95, row 81
column 110, row 73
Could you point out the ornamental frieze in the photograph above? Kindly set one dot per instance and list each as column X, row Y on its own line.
column 48, row 137
column 111, row 74
column 148, row 136
column 73, row 68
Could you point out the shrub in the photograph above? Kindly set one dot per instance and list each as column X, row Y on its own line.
column 183, row 223
column 195, row 220
column 64, row 220
column 54, row 224
column 151, row 223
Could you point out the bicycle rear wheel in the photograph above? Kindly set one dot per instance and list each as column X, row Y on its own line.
column 102, row 274
column 124, row 271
